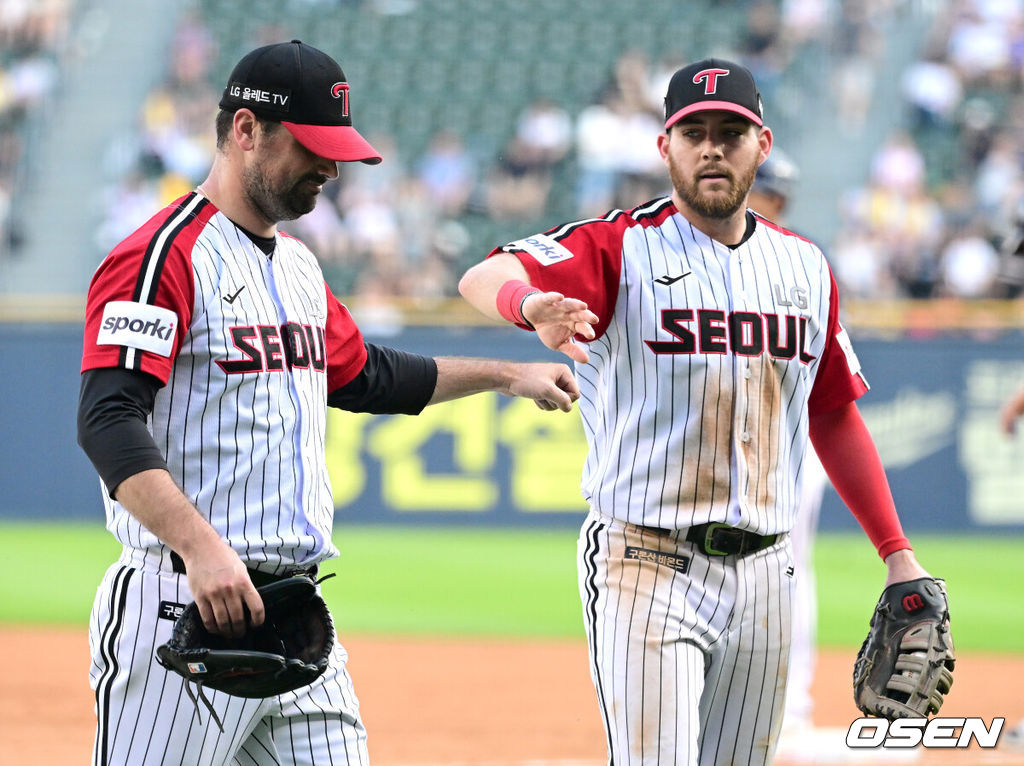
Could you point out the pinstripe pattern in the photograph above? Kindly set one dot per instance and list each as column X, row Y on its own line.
column 248, row 447
column 667, row 430
column 241, row 422
column 696, row 394
column 145, row 716
column 706, row 363
column 690, row 667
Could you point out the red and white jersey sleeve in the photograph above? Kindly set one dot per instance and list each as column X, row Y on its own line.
column 247, row 346
column 839, row 380
column 141, row 297
column 580, row 260
column 346, row 352
column 707, row 359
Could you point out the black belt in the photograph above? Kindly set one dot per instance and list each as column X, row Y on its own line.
column 259, row 579
column 716, row 539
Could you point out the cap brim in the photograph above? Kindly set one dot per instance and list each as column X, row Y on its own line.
column 341, row 143
column 708, row 106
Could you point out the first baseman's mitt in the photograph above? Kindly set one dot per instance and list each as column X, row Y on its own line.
column 288, row 650
column 905, row 665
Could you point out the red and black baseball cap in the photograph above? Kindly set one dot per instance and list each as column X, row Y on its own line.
column 713, row 84
column 306, row 91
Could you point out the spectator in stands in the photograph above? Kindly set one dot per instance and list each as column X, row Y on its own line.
column 31, row 35
column 449, row 172
column 519, row 184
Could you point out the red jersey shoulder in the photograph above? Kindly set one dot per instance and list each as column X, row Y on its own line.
column 141, row 297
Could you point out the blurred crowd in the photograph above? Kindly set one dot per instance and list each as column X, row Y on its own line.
column 939, row 209
column 935, row 208
column 30, row 34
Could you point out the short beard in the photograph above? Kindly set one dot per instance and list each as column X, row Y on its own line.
column 718, row 208
column 272, row 204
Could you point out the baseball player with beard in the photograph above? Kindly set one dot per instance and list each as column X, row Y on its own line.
column 212, row 349
column 707, row 349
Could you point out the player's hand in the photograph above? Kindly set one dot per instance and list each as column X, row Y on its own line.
column 220, row 585
column 558, row 319
column 551, row 386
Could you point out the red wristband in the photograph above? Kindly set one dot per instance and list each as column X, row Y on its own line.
column 509, row 301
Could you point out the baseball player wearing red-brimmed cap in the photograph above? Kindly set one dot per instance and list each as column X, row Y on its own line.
column 708, row 349
column 212, row 350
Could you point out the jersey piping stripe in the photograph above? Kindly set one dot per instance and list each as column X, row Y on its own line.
column 156, row 255
column 591, row 587
column 107, row 644
column 565, row 229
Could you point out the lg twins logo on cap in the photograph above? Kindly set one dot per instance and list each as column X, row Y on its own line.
column 340, row 90
column 139, row 326
column 710, row 78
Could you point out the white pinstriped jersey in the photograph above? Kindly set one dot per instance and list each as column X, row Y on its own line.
column 707, row 359
column 248, row 347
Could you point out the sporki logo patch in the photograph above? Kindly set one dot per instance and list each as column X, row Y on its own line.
column 543, row 249
column 139, row 326
column 920, row 732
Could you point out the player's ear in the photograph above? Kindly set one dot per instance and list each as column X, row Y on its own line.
column 663, row 138
column 766, row 139
column 243, row 128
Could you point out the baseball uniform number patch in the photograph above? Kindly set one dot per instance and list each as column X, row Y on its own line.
column 138, row 325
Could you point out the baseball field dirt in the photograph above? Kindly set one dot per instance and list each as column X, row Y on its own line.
column 483, row 702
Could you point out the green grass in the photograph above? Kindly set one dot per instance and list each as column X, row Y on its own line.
column 499, row 582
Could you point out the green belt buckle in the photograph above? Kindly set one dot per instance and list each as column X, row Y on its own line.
column 712, row 528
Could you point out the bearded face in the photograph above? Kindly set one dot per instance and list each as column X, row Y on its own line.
column 283, row 180
column 713, row 192
column 279, row 198
column 712, row 159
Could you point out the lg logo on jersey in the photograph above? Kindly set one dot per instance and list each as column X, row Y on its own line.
column 745, row 333
column 289, row 346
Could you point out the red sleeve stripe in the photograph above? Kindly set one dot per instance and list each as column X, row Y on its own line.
column 156, row 255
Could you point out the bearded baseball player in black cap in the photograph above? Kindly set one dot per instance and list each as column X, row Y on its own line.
column 212, row 349
column 710, row 355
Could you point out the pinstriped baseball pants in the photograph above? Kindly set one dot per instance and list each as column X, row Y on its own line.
column 689, row 653
column 144, row 716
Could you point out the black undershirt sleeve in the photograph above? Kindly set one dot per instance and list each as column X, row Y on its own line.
column 391, row 382
column 113, row 407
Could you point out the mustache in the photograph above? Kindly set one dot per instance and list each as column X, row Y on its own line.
column 715, row 170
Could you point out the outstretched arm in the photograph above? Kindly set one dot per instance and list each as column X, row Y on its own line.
column 551, row 386
column 499, row 288
column 850, row 459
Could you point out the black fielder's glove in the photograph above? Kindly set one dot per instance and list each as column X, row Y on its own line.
column 905, row 665
column 289, row 650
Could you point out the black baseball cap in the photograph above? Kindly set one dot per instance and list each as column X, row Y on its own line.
column 305, row 90
column 713, row 84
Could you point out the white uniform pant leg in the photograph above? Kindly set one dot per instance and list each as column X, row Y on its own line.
column 745, row 687
column 144, row 716
column 317, row 724
column 648, row 631
column 689, row 667
column 803, row 654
